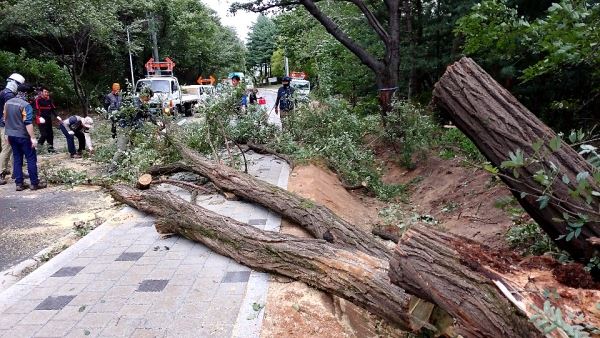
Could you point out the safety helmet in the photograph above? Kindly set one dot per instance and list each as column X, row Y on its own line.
column 88, row 122
column 18, row 78
column 116, row 86
column 286, row 78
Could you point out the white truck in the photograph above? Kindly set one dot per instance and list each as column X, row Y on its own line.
column 301, row 87
column 168, row 95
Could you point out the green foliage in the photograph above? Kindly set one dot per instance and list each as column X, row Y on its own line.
column 63, row 176
column 412, row 128
column 453, row 142
column 550, row 319
column 261, row 42
column 35, row 71
column 550, row 56
column 529, row 238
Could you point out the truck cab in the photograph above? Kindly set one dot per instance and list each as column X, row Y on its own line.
column 167, row 95
column 301, row 87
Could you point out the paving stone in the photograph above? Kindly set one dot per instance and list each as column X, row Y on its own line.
column 149, row 333
column 94, row 268
column 158, row 320
column 72, row 312
column 121, row 327
column 25, row 331
column 55, row 282
column 87, row 298
column 71, row 289
column 194, row 309
column 236, row 277
column 8, row 320
column 130, row 256
column 56, row 328
column 78, row 332
column 95, row 320
column 67, row 271
column 134, row 310
column 152, row 285
column 54, row 303
column 111, row 305
column 39, row 293
column 121, row 292
column 99, row 286
column 40, row 317
column 161, row 273
column 83, row 278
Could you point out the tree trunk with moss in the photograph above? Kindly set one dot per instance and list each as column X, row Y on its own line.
column 498, row 124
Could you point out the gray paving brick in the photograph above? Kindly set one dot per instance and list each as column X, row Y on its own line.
column 142, row 298
column 182, row 280
column 194, row 309
column 78, row 332
column 161, row 273
column 158, row 320
column 67, row 271
column 130, row 256
column 236, row 277
column 55, row 302
column 111, row 275
column 56, row 328
column 83, row 278
column 94, row 268
column 153, row 285
column 120, row 292
column 131, row 279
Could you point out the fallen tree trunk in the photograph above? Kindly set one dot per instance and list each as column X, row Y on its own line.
column 342, row 271
column 449, row 271
column 497, row 123
column 316, row 219
column 261, row 149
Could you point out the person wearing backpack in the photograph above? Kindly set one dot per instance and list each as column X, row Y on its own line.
column 284, row 102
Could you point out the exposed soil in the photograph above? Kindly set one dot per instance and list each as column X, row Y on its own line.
column 460, row 200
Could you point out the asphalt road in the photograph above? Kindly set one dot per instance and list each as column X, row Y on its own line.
column 32, row 220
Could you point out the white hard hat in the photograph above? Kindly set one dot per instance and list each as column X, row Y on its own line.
column 17, row 78
column 87, row 122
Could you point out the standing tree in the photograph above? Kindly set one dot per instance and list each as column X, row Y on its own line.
column 261, row 44
column 384, row 21
column 69, row 32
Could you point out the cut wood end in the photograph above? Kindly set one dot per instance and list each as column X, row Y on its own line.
column 144, row 181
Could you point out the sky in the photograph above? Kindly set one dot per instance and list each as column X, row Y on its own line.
column 241, row 22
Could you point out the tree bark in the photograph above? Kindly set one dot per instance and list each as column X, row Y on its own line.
column 342, row 271
column 497, row 123
column 318, row 220
column 449, row 271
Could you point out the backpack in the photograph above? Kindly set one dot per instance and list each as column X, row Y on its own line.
column 286, row 101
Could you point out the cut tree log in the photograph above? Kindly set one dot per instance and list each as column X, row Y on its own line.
column 144, row 181
column 498, row 123
column 339, row 270
column 449, row 271
column 318, row 220
column 262, row 149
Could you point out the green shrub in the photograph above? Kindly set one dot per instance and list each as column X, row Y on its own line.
column 453, row 142
column 412, row 128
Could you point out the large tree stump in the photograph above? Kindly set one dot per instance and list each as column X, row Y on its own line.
column 497, row 123
column 449, row 271
column 318, row 220
column 339, row 270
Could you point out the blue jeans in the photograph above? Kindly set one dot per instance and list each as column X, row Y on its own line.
column 71, row 139
column 21, row 146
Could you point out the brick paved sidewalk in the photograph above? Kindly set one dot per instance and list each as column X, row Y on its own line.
column 124, row 280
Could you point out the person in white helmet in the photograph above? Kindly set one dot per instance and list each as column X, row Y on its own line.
column 12, row 83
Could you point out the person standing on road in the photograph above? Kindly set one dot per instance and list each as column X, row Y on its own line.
column 12, row 83
column 235, row 82
column 18, row 119
column 45, row 109
column 77, row 126
column 284, row 103
column 112, row 103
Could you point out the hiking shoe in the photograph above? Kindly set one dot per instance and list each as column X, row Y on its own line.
column 75, row 156
column 40, row 185
column 21, row 187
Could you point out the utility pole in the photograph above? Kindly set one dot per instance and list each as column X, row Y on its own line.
column 130, row 60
